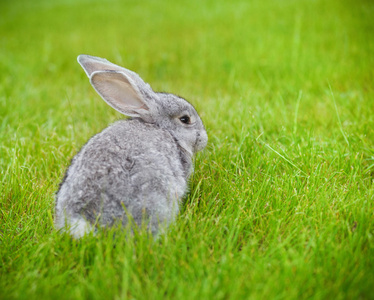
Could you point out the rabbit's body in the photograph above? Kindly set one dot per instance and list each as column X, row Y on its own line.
column 116, row 169
column 138, row 167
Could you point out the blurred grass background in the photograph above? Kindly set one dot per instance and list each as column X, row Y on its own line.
column 281, row 204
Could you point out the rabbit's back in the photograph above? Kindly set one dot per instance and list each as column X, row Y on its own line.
column 131, row 168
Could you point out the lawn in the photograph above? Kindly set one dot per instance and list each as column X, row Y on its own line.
column 281, row 204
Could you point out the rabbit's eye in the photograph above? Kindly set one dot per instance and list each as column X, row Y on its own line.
column 185, row 119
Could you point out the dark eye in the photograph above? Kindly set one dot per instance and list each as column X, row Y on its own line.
column 185, row 119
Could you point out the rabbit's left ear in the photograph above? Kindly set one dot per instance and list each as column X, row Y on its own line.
column 120, row 92
column 92, row 64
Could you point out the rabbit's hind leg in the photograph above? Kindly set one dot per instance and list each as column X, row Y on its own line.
column 78, row 227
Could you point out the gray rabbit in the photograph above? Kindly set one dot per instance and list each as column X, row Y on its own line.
column 137, row 167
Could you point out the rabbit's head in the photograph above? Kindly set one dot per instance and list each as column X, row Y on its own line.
column 127, row 93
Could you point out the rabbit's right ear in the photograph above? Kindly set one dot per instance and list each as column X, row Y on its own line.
column 120, row 92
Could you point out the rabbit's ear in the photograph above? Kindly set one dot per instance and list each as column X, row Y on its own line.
column 92, row 64
column 120, row 92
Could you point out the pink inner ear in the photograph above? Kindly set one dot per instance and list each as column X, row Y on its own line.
column 119, row 92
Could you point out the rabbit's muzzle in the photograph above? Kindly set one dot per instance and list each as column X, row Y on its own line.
column 201, row 141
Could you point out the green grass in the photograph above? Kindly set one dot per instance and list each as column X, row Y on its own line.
column 282, row 200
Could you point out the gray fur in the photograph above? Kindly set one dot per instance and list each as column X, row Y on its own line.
column 137, row 167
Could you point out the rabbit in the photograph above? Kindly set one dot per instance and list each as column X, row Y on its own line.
column 137, row 168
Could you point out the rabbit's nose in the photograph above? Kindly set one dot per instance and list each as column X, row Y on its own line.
column 201, row 141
